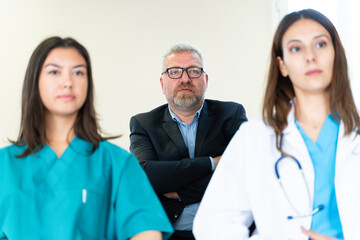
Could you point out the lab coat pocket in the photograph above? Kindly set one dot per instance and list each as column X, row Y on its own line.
column 93, row 212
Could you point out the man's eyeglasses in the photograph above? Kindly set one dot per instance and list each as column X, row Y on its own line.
column 177, row 72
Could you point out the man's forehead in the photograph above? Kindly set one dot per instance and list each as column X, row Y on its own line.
column 182, row 57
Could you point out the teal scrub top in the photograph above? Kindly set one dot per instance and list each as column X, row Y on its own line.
column 323, row 156
column 81, row 195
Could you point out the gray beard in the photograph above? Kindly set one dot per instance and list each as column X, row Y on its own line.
column 185, row 102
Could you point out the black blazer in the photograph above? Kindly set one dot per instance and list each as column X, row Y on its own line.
column 157, row 143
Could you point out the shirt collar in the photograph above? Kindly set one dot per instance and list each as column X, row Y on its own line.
column 177, row 119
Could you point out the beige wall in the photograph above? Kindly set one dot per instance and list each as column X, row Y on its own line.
column 126, row 40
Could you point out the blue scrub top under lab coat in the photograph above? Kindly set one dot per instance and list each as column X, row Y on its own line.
column 323, row 156
column 81, row 195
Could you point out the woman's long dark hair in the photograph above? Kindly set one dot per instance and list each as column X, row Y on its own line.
column 32, row 126
column 280, row 91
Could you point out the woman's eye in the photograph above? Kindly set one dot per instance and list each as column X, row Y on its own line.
column 79, row 73
column 295, row 49
column 320, row 45
column 54, row 72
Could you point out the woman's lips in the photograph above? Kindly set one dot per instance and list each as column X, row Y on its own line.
column 313, row 72
column 66, row 97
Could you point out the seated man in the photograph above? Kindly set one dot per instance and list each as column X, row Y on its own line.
column 179, row 144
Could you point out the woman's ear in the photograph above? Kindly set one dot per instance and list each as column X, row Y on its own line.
column 282, row 67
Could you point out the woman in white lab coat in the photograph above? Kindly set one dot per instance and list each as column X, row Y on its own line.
column 295, row 172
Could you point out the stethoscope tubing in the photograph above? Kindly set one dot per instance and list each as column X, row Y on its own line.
column 299, row 215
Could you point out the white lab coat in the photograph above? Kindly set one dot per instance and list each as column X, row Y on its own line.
column 244, row 186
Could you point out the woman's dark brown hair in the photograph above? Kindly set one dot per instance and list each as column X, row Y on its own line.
column 279, row 90
column 32, row 126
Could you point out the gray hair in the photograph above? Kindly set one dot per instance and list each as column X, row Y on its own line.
column 183, row 47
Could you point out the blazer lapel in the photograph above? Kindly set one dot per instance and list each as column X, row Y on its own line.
column 173, row 131
column 203, row 129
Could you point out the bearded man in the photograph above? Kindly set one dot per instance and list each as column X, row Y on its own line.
column 179, row 144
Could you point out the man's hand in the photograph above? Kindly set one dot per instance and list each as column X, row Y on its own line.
column 216, row 160
column 172, row 195
column 316, row 236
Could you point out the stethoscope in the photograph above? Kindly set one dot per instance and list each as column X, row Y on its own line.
column 298, row 214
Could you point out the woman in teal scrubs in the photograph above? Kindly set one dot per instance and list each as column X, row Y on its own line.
column 61, row 179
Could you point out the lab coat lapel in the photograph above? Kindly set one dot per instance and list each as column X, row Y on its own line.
column 345, row 146
column 347, row 168
column 173, row 131
column 294, row 145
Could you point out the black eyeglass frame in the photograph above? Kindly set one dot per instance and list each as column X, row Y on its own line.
column 182, row 72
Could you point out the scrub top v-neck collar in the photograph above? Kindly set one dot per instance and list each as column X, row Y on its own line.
column 57, row 166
